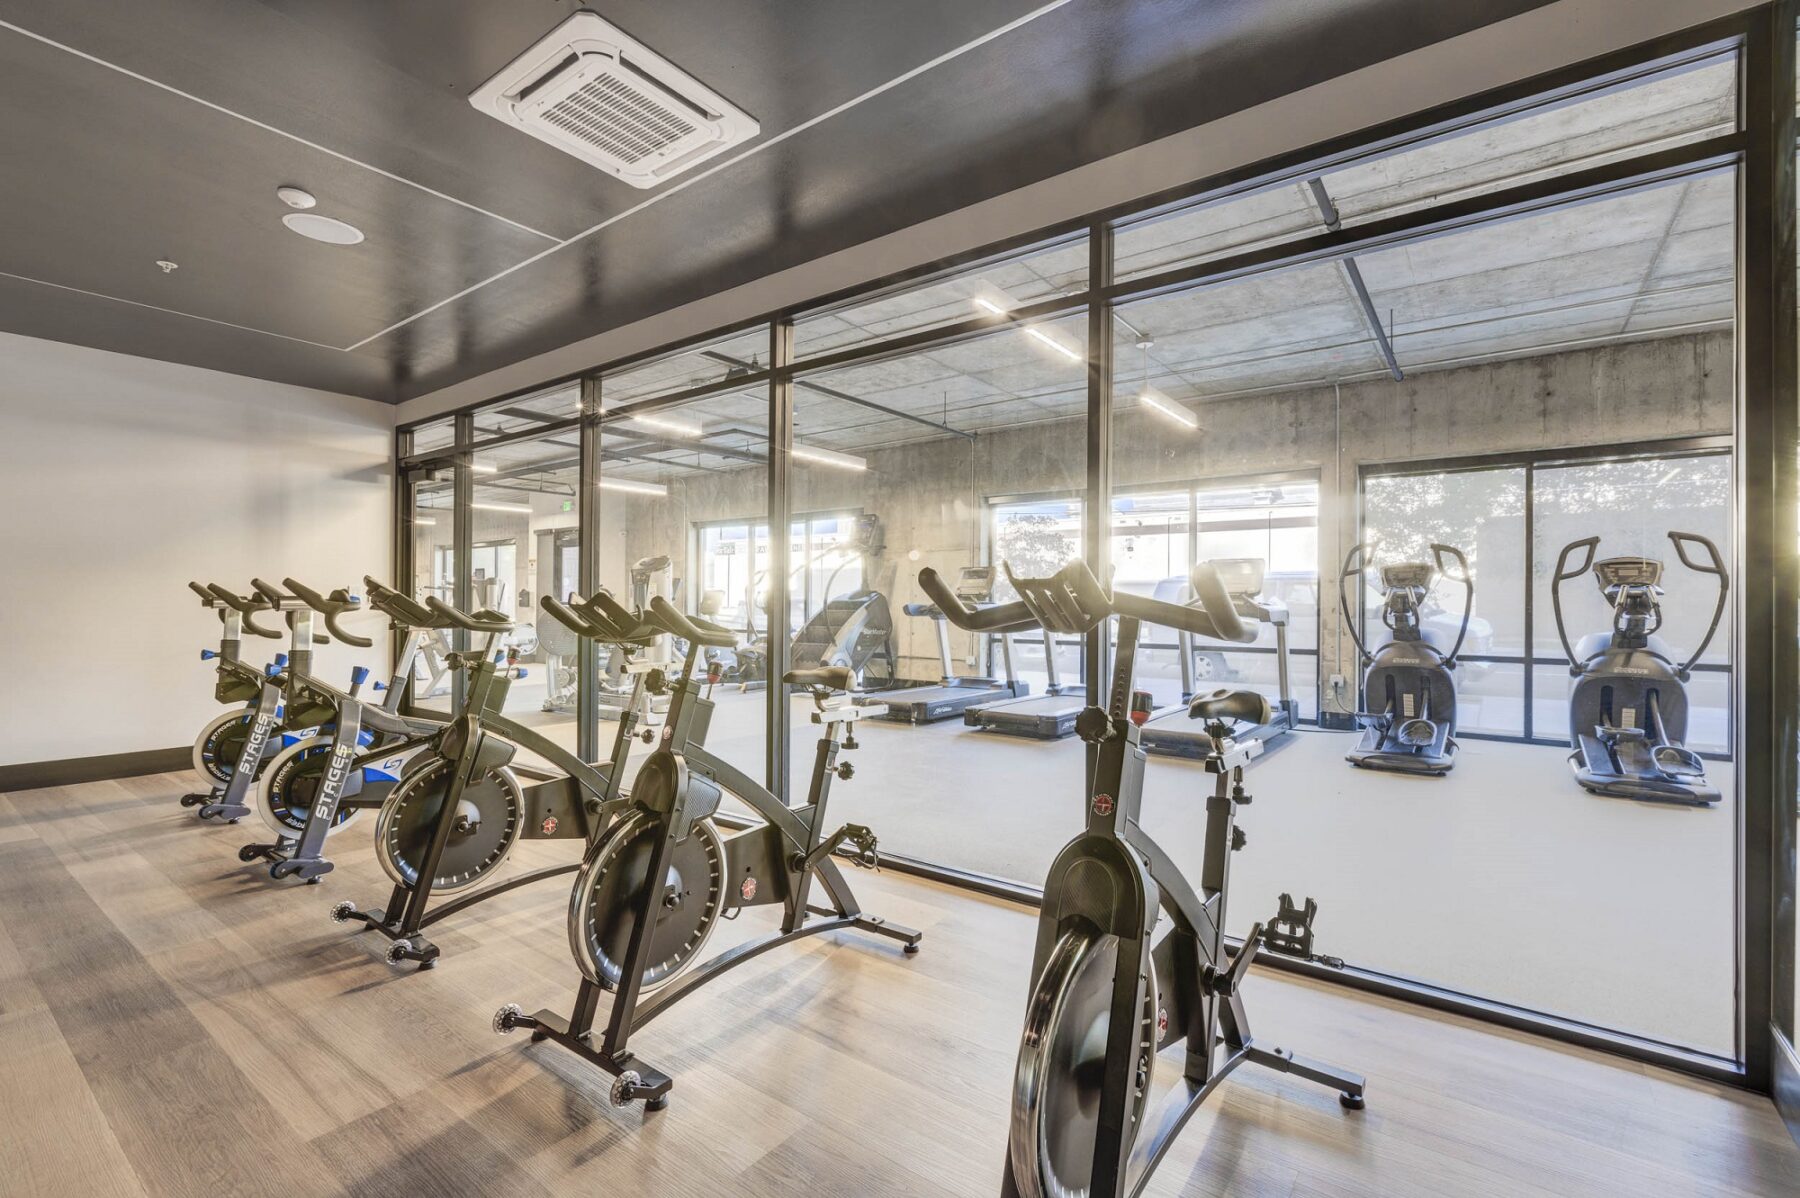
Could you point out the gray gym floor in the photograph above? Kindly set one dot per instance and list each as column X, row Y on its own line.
column 1503, row 879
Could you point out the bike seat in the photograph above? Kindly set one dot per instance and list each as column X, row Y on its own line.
column 1231, row 705
column 834, row 678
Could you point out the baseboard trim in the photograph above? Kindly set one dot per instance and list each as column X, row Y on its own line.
column 1787, row 1083
column 33, row 775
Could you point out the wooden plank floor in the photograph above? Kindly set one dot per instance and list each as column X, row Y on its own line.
column 172, row 1023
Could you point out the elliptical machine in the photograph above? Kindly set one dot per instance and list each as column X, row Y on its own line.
column 1105, row 1001
column 1408, row 709
column 1628, row 709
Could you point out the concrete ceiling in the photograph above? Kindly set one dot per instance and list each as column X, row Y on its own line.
column 138, row 132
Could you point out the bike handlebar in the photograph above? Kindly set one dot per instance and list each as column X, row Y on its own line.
column 485, row 621
column 690, row 629
column 245, row 606
column 331, row 607
column 1073, row 601
column 401, row 608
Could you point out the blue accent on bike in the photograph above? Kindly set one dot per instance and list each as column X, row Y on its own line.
column 359, row 675
column 289, row 740
column 381, row 686
column 281, row 660
column 271, row 669
column 208, row 654
column 371, row 774
column 365, row 737
column 523, row 671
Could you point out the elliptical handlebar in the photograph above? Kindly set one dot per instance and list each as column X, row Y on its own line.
column 1562, row 575
column 1073, row 601
column 1443, row 553
column 562, row 614
column 1717, row 570
column 331, row 607
column 401, row 608
column 245, row 606
column 1359, row 554
column 485, row 621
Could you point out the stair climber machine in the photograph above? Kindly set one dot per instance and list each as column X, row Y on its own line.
column 1628, row 708
column 317, row 785
column 660, row 876
column 1170, row 731
column 855, row 630
column 290, row 704
column 954, row 694
column 1408, row 708
column 1107, row 997
column 1049, row 716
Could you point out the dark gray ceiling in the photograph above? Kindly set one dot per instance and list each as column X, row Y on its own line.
column 136, row 131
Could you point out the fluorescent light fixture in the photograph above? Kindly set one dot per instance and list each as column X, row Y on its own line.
column 425, row 521
column 829, row 457
column 993, row 306
column 484, row 468
column 632, row 487
column 662, row 424
column 1156, row 401
column 523, row 509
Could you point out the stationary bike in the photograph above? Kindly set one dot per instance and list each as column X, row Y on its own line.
column 1628, row 709
column 1105, row 1002
column 290, row 704
column 661, row 876
column 220, row 742
column 316, row 785
column 1409, row 690
column 454, row 818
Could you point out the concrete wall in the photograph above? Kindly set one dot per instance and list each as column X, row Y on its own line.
column 930, row 495
column 122, row 478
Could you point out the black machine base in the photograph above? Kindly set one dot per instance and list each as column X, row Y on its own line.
column 408, row 940
column 632, row 1078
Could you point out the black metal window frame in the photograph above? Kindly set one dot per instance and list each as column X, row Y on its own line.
column 1767, row 428
column 1530, row 462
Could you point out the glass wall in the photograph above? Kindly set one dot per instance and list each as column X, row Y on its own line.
column 431, row 526
column 683, row 506
column 926, row 454
column 1357, row 367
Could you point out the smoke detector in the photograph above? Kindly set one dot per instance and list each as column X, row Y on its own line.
column 590, row 90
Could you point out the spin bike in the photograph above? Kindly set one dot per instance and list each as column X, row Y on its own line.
column 660, row 876
column 456, row 815
column 290, row 701
column 1105, row 1001
column 1409, row 689
column 1628, row 709
column 317, row 785
column 238, row 684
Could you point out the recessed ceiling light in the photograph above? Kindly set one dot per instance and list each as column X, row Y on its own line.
column 322, row 228
column 295, row 197
column 166, row 266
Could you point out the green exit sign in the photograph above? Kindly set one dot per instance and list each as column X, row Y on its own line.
column 568, row 505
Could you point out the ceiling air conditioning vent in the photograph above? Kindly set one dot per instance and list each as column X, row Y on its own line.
column 590, row 90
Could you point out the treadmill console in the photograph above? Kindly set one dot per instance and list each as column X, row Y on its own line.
column 1628, row 571
column 975, row 584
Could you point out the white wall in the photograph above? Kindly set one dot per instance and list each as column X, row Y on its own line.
column 120, row 479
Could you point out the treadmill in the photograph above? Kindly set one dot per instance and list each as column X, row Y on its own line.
column 1049, row 716
column 1169, row 730
column 954, row 694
